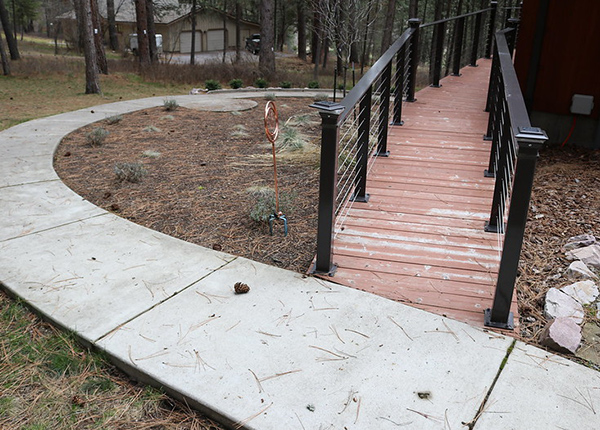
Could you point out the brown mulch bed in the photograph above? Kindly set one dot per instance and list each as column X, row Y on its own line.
column 200, row 166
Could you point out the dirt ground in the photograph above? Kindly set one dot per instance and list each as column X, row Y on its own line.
column 203, row 166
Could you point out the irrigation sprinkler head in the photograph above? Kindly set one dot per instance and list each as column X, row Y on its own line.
column 278, row 216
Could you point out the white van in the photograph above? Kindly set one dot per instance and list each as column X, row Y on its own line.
column 133, row 43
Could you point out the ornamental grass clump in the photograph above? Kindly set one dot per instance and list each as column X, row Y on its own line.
column 97, row 136
column 130, row 172
column 170, row 105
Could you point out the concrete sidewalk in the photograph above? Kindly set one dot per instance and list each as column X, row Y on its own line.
column 294, row 353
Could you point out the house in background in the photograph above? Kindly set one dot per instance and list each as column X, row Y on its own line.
column 215, row 29
column 557, row 61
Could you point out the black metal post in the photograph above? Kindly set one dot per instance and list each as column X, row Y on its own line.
column 334, row 84
column 511, row 36
column 458, row 42
column 439, row 49
column 491, row 29
column 529, row 141
column 384, row 112
column 364, row 123
column 414, row 23
column 492, row 87
column 476, row 36
column 330, row 112
column 399, row 90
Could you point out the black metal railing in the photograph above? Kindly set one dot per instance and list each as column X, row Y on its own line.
column 354, row 131
column 513, row 156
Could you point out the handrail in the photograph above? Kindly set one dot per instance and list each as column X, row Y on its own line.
column 455, row 18
column 513, row 156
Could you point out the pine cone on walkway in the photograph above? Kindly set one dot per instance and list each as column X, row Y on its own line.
column 241, row 288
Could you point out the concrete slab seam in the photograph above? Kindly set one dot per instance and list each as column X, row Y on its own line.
column 29, row 183
column 54, row 227
column 471, row 424
column 226, row 263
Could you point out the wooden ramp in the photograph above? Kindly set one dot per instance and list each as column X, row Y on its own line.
column 420, row 238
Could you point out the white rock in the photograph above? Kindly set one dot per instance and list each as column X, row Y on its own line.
column 562, row 334
column 579, row 270
column 579, row 242
column 585, row 292
column 590, row 255
column 560, row 305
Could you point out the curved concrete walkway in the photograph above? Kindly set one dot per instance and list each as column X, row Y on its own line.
column 294, row 353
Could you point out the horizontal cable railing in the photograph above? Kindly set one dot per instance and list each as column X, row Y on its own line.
column 513, row 156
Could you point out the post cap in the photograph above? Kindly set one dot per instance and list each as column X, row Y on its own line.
column 530, row 136
column 328, row 107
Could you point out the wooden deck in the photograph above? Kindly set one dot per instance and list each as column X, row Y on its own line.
column 420, row 238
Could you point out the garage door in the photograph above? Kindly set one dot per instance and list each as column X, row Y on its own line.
column 185, row 42
column 214, row 40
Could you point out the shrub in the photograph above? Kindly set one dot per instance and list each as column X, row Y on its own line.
column 236, row 83
column 285, row 84
column 130, row 172
column 313, row 84
column 291, row 139
column 170, row 104
column 152, row 129
column 114, row 119
column 264, row 203
column 261, row 83
column 321, row 98
column 270, row 96
column 97, row 136
column 212, row 85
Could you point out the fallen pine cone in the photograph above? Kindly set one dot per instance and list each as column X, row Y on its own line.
column 241, row 288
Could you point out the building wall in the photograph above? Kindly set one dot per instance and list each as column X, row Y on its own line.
column 569, row 63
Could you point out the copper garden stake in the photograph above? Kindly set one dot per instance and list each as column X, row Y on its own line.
column 272, row 131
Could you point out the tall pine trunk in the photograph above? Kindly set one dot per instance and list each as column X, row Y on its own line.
column 266, row 61
column 112, row 25
column 10, row 37
column 301, row 30
column 4, row 58
column 142, row 32
column 152, row 48
column 92, row 78
column 98, row 41
column 388, row 28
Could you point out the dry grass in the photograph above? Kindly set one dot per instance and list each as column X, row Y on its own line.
column 48, row 381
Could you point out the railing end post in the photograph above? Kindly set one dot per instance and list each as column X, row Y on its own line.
column 509, row 324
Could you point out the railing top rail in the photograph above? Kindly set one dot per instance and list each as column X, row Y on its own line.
column 477, row 12
column 514, row 98
column 362, row 86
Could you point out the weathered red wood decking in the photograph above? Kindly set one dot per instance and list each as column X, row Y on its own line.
column 420, row 238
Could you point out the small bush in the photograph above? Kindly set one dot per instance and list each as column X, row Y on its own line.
column 321, row 98
column 261, row 83
column 152, row 129
column 340, row 87
column 97, row 136
column 314, row 84
column 264, row 203
column 212, row 85
column 130, row 172
column 151, row 154
column 291, row 139
column 114, row 119
column 236, row 83
column 285, row 84
column 170, row 105
column 270, row 97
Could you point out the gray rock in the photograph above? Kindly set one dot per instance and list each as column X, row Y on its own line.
column 590, row 346
column 562, row 335
column 585, row 292
column 578, row 270
column 590, row 255
column 561, row 305
column 580, row 241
